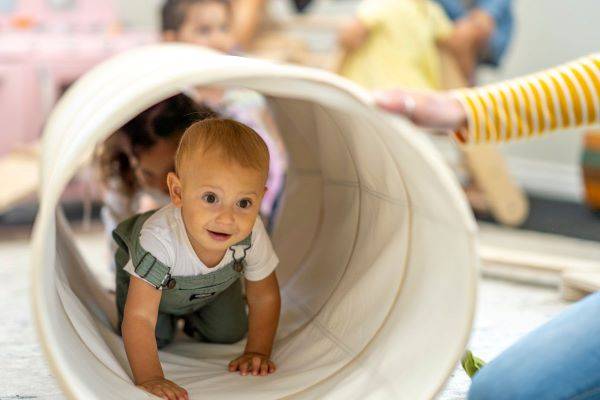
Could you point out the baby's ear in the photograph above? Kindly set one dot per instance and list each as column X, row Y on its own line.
column 175, row 189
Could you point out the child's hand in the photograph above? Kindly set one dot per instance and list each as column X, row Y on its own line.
column 165, row 389
column 254, row 363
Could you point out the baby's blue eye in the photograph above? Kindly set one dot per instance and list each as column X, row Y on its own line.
column 245, row 203
column 210, row 198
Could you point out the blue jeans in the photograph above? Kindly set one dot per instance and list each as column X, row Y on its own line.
column 559, row 360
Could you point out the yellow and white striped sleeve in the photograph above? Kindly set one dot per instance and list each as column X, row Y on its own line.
column 559, row 98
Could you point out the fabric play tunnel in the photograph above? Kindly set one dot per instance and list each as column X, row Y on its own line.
column 377, row 245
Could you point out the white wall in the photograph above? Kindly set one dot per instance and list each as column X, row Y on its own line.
column 139, row 13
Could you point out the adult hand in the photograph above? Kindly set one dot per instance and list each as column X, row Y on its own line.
column 438, row 110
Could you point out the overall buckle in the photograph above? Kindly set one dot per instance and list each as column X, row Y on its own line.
column 168, row 281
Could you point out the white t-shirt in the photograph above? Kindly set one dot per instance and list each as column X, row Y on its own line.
column 164, row 236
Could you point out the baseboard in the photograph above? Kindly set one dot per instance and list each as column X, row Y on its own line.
column 548, row 180
column 540, row 178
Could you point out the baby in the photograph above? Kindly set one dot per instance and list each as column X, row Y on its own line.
column 185, row 260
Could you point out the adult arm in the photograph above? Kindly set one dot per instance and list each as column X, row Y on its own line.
column 563, row 97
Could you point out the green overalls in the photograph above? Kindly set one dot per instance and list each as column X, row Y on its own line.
column 211, row 305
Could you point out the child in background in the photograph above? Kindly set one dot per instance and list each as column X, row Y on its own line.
column 208, row 23
column 394, row 43
column 201, row 22
column 134, row 162
column 184, row 261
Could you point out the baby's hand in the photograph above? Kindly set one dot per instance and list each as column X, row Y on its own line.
column 165, row 389
column 255, row 363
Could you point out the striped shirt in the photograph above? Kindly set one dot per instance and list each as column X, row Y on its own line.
column 559, row 98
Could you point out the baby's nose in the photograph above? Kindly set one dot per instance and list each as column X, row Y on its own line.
column 226, row 217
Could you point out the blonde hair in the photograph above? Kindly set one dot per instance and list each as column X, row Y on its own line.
column 235, row 141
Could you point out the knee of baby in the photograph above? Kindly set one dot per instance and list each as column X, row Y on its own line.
column 230, row 333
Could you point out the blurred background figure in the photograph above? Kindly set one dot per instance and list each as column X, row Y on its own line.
column 391, row 43
column 204, row 23
column 134, row 162
column 483, row 30
column 413, row 45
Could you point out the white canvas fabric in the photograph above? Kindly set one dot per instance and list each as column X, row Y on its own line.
column 376, row 243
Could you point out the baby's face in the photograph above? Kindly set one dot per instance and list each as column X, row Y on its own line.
column 207, row 24
column 219, row 200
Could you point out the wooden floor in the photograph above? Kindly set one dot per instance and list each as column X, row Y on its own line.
column 569, row 264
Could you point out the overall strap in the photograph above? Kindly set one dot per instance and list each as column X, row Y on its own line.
column 152, row 270
column 127, row 236
column 238, row 251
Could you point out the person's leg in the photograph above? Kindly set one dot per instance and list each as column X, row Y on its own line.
column 559, row 360
column 222, row 321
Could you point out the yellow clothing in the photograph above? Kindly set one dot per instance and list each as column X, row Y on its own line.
column 400, row 49
column 559, row 98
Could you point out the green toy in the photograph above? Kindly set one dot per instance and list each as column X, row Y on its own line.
column 471, row 364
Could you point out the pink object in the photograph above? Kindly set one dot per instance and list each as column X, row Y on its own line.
column 20, row 105
column 44, row 47
column 71, row 15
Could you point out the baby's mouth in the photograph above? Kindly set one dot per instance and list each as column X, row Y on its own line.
column 219, row 236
